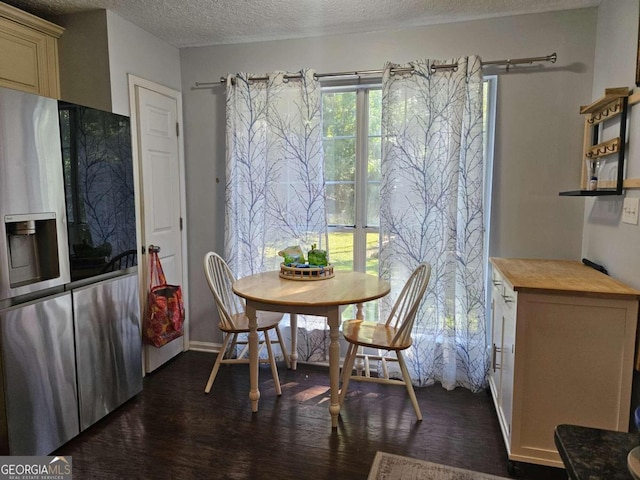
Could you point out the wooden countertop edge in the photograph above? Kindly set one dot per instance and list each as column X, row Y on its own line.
column 518, row 274
column 577, row 293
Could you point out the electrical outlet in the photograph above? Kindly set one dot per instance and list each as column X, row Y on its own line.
column 630, row 210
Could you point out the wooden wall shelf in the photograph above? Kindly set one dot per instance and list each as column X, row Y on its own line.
column 614, row 104
column 610, row 95
column 589, row 193
column 603, row 149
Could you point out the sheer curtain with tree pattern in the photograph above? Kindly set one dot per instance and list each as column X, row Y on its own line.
column 432, row 210
column 275, row 191
column 274, row 195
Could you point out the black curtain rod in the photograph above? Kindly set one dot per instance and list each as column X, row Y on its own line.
column 506, row 63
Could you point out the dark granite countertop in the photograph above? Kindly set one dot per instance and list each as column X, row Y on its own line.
column 593, row 454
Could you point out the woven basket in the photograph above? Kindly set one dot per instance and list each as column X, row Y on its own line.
column 306, row 273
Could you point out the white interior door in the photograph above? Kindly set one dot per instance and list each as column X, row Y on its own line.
column 161, row 195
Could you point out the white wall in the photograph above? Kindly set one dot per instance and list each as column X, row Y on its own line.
column 133, row 50
column 84, row 59
column 538, row 139
column 606, row 239
column 97, row 51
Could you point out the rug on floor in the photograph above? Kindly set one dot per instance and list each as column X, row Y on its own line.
column 387, row 466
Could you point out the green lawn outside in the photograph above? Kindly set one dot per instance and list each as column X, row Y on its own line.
column 341, row 257
column 341, row 251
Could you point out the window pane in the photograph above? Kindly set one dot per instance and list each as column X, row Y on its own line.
column 373, row 183
column 341, row 250
column 340, row 159
column 370, row 311
column 340, row 175
column 375, row 112
column 339, row 114
column 373, row 249
column 341, row 203
column 373, row 168
column 373, row 204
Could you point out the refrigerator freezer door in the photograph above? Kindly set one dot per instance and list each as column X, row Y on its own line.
column 32, row 189
column 108, row 346
column 39, row 375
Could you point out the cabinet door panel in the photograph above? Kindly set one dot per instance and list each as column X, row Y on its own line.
column 22, row 58
column 496, row 343
column 508, row 357
column 28, row 52
column 575, row 359
column 503, row 339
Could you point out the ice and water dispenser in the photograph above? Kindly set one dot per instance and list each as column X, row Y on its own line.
column 32, row 248
column 34, row 254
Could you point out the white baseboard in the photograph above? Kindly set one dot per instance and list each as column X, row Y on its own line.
column 205, row 347
column 215, row 348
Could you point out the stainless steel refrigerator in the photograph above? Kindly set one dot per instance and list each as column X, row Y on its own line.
column 39, row 384
column 51, row 325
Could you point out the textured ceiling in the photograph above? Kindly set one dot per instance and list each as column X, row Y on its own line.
column 184, row 23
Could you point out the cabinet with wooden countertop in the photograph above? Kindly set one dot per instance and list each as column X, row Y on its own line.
column 563, row 344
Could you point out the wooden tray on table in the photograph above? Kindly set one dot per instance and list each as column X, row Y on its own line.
column 306, row 273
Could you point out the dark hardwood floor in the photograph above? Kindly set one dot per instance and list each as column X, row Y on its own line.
column 174, row 430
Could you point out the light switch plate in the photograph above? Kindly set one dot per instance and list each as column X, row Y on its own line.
column 630, row 210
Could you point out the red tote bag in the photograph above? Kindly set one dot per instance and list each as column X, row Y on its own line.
column 164, row 318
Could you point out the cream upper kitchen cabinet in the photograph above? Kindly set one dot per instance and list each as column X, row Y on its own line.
column 563, row 344
column 28, row 52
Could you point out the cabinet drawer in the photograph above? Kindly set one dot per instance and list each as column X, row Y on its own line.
column 503, row 292
column 497, row 286
column 509, row 298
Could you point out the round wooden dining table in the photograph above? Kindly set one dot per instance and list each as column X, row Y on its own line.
column 269, row 292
